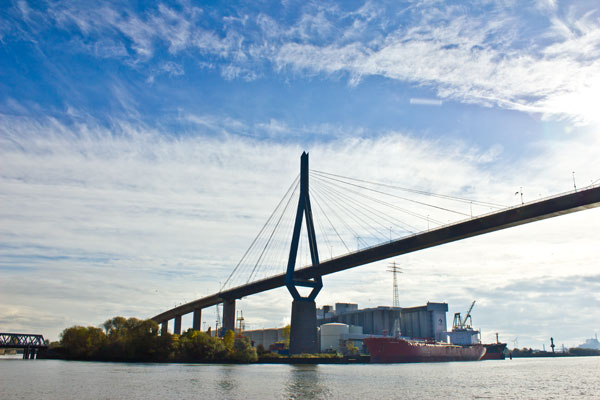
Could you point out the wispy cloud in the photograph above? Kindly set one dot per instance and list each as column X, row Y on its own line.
column 425, row 102
column 138, row 222
column 472, row 54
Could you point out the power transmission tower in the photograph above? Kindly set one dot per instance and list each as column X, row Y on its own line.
column 393, row 268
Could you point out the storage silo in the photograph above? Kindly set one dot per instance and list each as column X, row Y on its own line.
column 331, row 334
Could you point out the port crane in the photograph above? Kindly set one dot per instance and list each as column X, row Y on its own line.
column 459, row 323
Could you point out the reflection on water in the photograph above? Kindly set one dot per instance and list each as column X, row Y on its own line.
column 575, row 377
column 306, row 382
column 227, row 380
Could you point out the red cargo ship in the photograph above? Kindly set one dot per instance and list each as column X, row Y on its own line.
column 494, row 351
column 398, row 350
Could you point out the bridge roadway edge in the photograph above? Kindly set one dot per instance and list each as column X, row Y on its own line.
column 535, row 211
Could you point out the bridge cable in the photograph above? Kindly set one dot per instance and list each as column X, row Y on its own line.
column 444, row 196
column 328, row 220
column 323, row 231
column 353, row 215
column 335, row 214
column 294, row 183
column 271, row 236
column 358, row 210
column 393, row 206
column 400, row 197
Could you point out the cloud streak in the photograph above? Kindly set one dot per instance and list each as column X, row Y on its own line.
column 130, row 221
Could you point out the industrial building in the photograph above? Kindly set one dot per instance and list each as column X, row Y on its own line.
column 427, row 322
column 265, row 337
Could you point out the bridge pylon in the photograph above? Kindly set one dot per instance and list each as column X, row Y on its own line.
column 303, row 330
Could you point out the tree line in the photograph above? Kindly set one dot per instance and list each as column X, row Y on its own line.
column 136, row 340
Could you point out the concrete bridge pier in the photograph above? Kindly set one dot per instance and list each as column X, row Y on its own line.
column 197, row 319
column 29, row 353
column 303, row 329
column 228, row 315
column 177, row 327
column 164, row 327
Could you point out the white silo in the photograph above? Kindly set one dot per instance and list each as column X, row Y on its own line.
column 331, row 334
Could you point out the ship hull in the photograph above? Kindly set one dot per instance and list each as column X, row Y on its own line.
column 494, row 351
column 392, row 350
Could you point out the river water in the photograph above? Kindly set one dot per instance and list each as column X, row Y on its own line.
column 549, row 378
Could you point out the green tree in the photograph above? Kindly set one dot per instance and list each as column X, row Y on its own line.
column 199, row 346
column 350, row 348
column 229, row 339
column 80, row 342
column 243, row 351
column 286, row 335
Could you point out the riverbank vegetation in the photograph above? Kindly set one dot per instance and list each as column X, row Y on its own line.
column 572, row 352
column 134, row 340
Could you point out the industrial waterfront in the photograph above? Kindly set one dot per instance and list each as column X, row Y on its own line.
column 563, row 378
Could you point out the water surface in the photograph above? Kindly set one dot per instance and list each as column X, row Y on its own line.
column 564, row 378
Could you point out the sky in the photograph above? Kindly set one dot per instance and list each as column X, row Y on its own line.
column 144, row 144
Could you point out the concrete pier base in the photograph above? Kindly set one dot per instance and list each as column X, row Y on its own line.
column 177, row 327
column 228, row 315
column 197, row 319
column 164, row 327
column 303, row 332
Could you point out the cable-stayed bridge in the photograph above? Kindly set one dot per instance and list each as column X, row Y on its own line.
column 381, row 220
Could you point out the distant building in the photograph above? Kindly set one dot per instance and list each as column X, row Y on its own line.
column 266, row 337
column 592, row 343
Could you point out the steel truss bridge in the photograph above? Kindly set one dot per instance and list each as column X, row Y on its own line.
column 303, row 307
column 31, row 344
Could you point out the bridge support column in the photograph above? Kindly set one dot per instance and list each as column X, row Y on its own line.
column 303, row 330
column 177, row 327
column 228, row 315
column 164, row 327
column 197, row 319
column 26, row 353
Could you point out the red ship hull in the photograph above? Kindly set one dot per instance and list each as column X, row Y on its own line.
column 494, row 351
column 392, row 350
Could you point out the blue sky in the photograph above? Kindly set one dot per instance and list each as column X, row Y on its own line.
column 144, row 144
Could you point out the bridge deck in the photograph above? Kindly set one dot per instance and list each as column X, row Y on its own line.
column 514, row 216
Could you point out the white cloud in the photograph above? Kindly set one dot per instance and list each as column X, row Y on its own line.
column 98, row 222
column 486, row 55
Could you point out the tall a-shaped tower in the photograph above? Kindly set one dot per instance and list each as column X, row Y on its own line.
column 303, row 332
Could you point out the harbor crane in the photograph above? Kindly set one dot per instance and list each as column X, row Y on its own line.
column 459, row 323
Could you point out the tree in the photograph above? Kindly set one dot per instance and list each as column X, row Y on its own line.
column 286, row 335
column 243, row 351
column 229, row 339
column 350, row 348
column 199, row 346
column 80, row 342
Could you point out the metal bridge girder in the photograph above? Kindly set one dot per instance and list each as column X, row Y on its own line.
column 21, row 340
